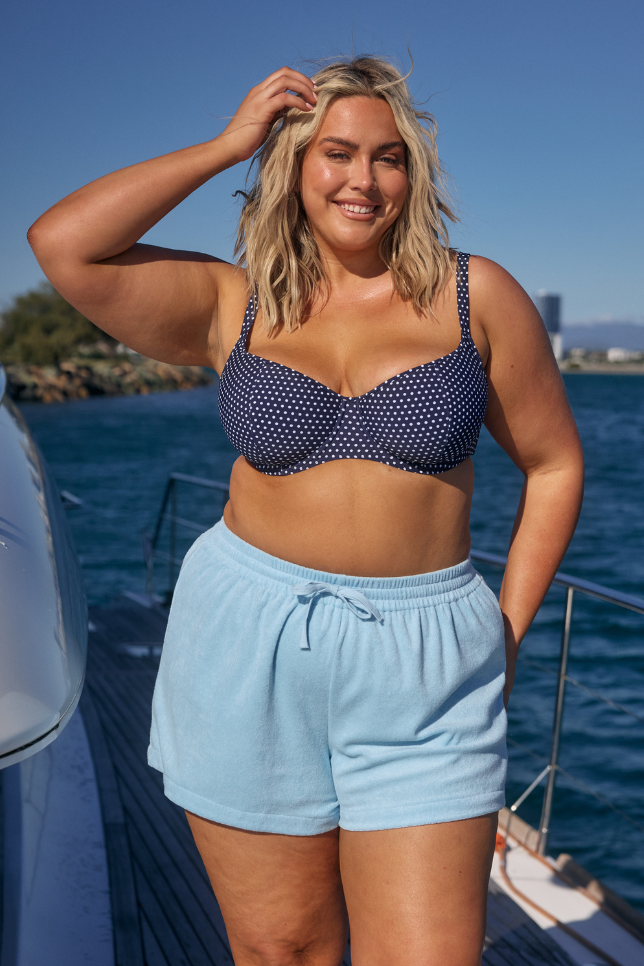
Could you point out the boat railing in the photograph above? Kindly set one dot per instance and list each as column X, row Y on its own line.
column 572, row 585
column 168, row 512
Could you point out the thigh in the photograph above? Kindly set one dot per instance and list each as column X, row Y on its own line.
column 417, row 896
column 280, row 895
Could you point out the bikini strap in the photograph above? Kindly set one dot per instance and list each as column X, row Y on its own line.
column 463, row 292
column 462, row 299
column 249, row 317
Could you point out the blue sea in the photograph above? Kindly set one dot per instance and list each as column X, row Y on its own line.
column 116, row 455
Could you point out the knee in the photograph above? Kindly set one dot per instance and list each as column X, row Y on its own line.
column 271, row 953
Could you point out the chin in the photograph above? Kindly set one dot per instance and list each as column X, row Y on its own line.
column 351, row 240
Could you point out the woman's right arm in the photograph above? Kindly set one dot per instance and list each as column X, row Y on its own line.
column 161, row 302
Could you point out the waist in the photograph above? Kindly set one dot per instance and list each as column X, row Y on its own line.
column 355, row 517
column 449, row 583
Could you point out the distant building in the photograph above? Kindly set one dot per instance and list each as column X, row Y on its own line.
column 549, row 308
column 617, row 354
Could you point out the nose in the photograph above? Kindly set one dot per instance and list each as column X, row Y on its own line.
column 362, row 175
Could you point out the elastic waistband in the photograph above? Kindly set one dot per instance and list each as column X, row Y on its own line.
column 439, row 585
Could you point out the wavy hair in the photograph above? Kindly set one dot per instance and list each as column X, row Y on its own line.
column 275, row 242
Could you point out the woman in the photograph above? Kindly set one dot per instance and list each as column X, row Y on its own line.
column 338, row 741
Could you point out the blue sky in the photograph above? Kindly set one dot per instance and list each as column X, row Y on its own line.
column 539, row 107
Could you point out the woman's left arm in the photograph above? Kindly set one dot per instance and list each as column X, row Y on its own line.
column 529, row 416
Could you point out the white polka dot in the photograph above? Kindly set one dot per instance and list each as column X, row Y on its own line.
column 425, row 420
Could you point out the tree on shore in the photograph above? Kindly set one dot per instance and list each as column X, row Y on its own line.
column 42, row 328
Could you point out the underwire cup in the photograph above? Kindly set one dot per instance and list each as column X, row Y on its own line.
column 426, row 420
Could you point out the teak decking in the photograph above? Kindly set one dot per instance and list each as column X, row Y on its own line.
column 163, row 909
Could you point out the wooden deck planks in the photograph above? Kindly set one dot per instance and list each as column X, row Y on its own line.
column 128, row 948
column 154, row 955
column 166, row 827
column 189, row 893
column 178, row 922
column 181, row 914
column 145, row 783
column 513, row 939
column 155, row 910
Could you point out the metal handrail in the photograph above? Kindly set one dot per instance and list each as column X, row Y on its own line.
column 583, row 687
column 200, row 481
column 150, row 544
column 576, row 583
column 571, row 584
column 577, row 781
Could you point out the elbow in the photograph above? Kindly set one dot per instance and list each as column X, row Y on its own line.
column 577, row 462
column 564, row 470
column 51, row 248
column 40, row 240
column 32, row 235
column 569, row 458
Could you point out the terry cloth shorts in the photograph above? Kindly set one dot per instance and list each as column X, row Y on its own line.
column 291, row 700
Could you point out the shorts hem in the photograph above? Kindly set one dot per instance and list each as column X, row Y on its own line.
column 154, row 759
column 249, row 821
column 425, row 813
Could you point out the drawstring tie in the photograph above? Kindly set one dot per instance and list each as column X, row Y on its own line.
column 355, row 601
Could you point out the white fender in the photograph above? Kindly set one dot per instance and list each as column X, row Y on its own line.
column 43, row 609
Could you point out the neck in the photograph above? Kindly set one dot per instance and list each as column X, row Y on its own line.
column 347, row 269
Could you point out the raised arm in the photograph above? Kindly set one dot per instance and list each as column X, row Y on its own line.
column 161, row 302
column 529, row 416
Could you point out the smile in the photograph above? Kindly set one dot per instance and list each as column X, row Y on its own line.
column 356, row 209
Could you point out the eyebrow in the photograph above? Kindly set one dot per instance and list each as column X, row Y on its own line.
column 351, row 144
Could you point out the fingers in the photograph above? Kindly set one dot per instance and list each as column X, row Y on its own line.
column 292, row 100
column 288, row 73
column 287, row 79
column 291, row 88
column 262, row 106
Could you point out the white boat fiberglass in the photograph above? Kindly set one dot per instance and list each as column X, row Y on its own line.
column 43, row 610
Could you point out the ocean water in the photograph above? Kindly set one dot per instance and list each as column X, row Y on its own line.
column 116, row 454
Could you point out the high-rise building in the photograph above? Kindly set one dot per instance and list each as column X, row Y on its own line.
column 549, row 308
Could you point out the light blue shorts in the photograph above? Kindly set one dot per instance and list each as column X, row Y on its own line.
column 291, row 700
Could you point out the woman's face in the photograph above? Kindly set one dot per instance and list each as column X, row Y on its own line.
column 354, row 177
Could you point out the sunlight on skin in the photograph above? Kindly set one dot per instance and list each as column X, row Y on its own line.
column 416, row 895
column 357, row 159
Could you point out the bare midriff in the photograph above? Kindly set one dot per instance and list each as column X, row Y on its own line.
column 355, row 517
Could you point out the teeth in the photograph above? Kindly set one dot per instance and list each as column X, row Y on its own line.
column 360, row 209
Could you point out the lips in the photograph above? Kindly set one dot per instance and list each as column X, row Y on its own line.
column 355, row 208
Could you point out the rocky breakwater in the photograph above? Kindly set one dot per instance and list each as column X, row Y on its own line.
column 81, row 378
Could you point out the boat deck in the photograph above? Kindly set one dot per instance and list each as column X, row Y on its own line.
column 163, row 910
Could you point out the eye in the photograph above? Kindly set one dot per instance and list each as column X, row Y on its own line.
column 390, row 160
column 337, row 155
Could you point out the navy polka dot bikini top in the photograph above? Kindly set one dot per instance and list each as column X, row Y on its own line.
column 425, row 420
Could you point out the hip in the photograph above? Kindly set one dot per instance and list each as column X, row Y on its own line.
column 231, row 591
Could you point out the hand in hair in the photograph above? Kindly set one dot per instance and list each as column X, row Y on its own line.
column 158, row 301
column 263, row 105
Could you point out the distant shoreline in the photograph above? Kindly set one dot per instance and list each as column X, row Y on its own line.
column 83, row 378
column 603, row 368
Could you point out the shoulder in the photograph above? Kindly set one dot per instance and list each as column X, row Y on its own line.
column 499, row 304
column 490, row 283
column 528, row 413
column 522, row 373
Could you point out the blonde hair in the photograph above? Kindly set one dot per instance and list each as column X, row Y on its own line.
column 275, row 242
